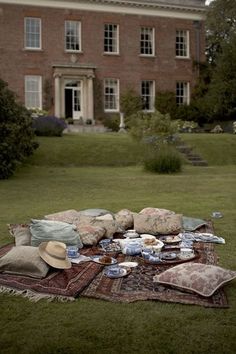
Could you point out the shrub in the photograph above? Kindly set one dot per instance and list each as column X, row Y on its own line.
column 165, row 159
column 130, row 103
column 165, row 102
column 16, row 133
column 49, row 126
column 111, row 121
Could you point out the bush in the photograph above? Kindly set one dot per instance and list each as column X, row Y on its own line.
column 165, row 102
column 111, row 121
column 163, row 160
column 49, row 126
column 130, row 103
column 16, row 133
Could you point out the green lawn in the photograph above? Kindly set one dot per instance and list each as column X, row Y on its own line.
column 53, row 184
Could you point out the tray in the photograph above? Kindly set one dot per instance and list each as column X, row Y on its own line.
column 177, row 260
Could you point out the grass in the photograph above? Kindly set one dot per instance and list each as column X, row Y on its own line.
column 93, row 326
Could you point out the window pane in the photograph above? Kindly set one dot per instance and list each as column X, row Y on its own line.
column 111, row 94
column 147, row 93
column 182, row 93
column 72, row 35
column 181, row 45
column 33, row 92
column 32, row 32
column 147, row 41
column 110, row 38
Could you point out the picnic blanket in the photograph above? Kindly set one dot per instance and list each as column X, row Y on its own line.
column 88, row 280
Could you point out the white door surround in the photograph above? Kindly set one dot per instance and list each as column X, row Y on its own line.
column 79, row 79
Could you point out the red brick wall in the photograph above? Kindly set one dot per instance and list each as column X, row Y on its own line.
column 128, row 66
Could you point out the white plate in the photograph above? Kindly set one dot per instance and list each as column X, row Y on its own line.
column 147, row 236
column 128, row 264
column 97, row 260
column 123, row 273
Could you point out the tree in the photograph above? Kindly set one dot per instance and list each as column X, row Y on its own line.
column 16, row 132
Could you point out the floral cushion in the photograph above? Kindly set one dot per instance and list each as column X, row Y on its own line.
column 91, row 235
column 69, row 216
column 158, row 224
column 21, row 233
column 50, row 230
column 125, row 218
column 106, row 221
column 94, row 212
column 156, row 211
column 200, row 278
column 24, row 260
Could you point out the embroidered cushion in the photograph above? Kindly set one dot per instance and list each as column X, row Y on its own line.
column 157, row 224
column 94, row 212
column 200, row 278
column 156, row 211
column 49, row 230
column 69, row 216
column 24, row 260
column 91, row 235
column 125, row 218
column 21, row 233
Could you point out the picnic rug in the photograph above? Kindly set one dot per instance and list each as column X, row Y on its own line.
column 88, row 280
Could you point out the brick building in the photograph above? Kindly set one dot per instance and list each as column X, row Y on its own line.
column 75, row 58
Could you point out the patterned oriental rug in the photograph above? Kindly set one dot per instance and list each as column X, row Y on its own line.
column 88, row 280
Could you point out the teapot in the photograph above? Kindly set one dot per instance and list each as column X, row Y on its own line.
column 132, row 248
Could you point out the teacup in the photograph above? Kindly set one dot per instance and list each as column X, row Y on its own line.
column 154, row 258
column 146, row 252
column 72, row 251
column 115, row 270
column 186, row 253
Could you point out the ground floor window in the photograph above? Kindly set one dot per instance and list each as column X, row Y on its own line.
column 182, row 93
column 111, row 95
column 33, row 91
column 148, row 95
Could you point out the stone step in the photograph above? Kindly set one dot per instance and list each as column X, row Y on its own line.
column 193, row 158
column 76, row 128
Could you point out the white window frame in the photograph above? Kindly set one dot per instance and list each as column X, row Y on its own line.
column 76, row 37
column 182, row 44
column 113, row 38
column 33, row 94
column 147, row 45
column 34, row 33
column 111, row 99
column 182, row 93
column 149, row 95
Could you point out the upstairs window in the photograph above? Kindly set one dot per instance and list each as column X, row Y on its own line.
column 111, row 95
column 111, row 38
column 182, row 44
column 32, row 27
column 147, row 41
column 73, row 36
column 148, row 95
column 33, row 91
column 182, row 93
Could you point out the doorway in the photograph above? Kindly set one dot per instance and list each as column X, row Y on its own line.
column 73, row 100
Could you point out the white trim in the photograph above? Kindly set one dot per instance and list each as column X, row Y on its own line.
column 79, row 37
column 117, row 96
column 187, row 45
column 40, row 33
column 39, row 92
column 149, row 9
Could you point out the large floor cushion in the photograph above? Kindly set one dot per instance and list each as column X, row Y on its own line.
column 24, row 260
column 69, row 216
column 49, row 230
column 21, row 233
column 156, row 224
column 125, row 218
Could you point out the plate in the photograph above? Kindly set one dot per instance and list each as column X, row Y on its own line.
column 168, row 256
column 73, row 257
column 96, row 259
column 171, row 239
column 123, row 273
column 128, row 264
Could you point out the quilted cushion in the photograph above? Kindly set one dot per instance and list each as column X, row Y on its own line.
column 94, row 212
column 69, row 216
column 156, row 224
column 24, row 260
column 200, row 278
column 21, row 233
column 156, row 211
column 49, row 230
column 91, row 235
column 125, row 218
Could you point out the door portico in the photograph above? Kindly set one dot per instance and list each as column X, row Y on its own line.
column 74, row 92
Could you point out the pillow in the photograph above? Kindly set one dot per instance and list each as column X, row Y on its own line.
column 69, row 216
column 94, row 212
column 125, row 218
column 24, row 260
column 49, row 230
column 192, row 224
column 106, row 221
column 156, row 211
column 156, row 224
column 202, row 279
column 91, row 235
column 21, row 233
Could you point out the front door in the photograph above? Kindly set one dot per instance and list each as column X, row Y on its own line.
column 73, row 100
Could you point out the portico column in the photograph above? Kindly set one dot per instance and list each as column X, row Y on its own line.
column 90, row 99
column 57, row 95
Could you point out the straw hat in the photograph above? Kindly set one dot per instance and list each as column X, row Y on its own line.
column 54, row 253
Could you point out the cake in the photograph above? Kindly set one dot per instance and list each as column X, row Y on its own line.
column 105, row 259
